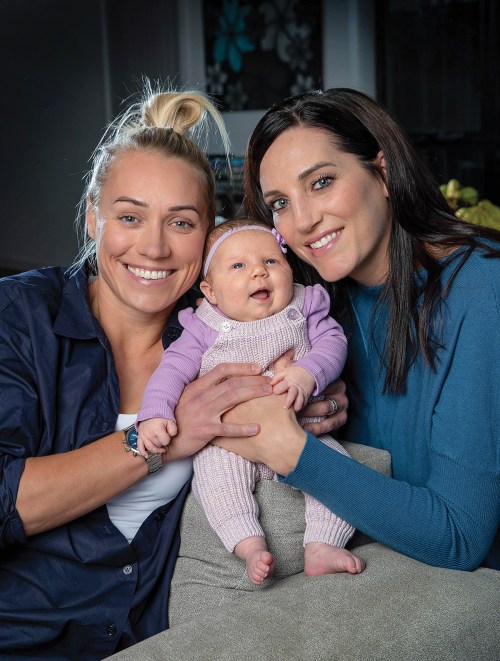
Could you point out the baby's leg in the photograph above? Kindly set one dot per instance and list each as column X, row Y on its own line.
column 259, row 562
column 326, row 536
column 224, row 485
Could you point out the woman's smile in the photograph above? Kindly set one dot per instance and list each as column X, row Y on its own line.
column 148, row 274
column 325, row 242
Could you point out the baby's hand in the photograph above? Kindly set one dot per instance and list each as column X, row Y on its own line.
column 297, row 382
column 154, row 434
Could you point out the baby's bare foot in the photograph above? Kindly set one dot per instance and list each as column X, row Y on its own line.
column 322, row 559
column 260, row 563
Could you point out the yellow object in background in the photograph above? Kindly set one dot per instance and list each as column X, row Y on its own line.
column 465, row 205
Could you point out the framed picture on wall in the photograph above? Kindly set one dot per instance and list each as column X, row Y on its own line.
column 336, row 39
column 259, row 52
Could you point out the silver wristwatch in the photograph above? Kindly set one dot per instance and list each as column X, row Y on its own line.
column 154, row 461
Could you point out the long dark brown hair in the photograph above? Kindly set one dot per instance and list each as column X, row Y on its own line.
column 421, row 217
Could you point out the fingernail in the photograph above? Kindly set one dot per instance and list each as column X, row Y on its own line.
column 253, row 429
column 267, row 388
column 256, row 368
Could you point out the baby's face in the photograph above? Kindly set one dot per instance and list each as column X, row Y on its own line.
column 250, row 278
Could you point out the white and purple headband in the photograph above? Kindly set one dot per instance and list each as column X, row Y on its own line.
column 232, row 231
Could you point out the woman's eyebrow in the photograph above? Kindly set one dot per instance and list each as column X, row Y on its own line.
column 271, row 193
column 131, row 200
column 140, row 203
column 184, row 207
column 303, row 175
column 313, row 168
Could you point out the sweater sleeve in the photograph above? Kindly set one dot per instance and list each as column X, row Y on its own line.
column 326, row 358
column 449, row 517
column 180, row 365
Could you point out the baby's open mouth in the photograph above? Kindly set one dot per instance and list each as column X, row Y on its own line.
column 261, row 294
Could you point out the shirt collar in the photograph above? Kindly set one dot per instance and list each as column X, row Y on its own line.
column 76, row 320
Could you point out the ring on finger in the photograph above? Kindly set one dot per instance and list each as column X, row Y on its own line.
column 334, row 407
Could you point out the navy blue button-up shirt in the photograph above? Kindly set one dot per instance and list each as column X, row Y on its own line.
column 78, row 591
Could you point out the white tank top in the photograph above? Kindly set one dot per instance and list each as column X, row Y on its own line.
column 129, row 509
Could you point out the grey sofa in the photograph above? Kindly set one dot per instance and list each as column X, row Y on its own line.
column 397, row 609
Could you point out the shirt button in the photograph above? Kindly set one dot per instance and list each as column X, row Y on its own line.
column 159, row 516
column 172, row 335
column 225, row 326
column 292, row 314
column 111, row 630
column 127, row 570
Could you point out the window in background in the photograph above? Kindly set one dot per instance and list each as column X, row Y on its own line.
column 439, row 73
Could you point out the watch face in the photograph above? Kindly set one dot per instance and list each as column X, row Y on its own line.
column 130, row 440
column 154, row 461
column 132, row 437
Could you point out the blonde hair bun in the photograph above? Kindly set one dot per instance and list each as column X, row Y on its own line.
column 177, row 110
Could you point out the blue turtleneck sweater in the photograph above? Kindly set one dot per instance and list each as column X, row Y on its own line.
column 442, row 505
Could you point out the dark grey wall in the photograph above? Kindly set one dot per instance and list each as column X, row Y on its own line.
column 142, row 39
column 53, row 110
column 65, row 68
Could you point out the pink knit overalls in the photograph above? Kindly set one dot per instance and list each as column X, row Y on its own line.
column 224, row 482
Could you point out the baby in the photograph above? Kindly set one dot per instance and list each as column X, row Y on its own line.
column 252, row 312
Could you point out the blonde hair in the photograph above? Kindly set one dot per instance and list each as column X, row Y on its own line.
column 170, row 123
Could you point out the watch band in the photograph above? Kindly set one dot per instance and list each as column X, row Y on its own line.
column 153, row 460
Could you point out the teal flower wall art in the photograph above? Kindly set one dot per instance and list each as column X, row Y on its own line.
column 259, row 52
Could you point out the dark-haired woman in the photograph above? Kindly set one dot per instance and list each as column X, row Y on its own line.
column 418, row 293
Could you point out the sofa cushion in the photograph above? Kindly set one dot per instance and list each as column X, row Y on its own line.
column 398, row 609
column 206, row 574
